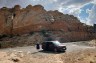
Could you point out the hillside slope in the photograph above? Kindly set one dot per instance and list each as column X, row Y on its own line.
column 17, row 21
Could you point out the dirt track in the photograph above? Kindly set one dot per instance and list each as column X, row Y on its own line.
column 71, row 46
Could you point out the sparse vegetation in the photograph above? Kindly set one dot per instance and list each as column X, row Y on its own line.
column 31, row 33
column 3, row 36
column 45, row 33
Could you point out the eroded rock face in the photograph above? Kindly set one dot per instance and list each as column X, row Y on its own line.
column 36, row 18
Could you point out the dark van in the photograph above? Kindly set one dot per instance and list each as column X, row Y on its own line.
column 55, row 46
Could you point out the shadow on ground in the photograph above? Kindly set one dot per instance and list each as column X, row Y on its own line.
column 48, row 52
column 51, row 52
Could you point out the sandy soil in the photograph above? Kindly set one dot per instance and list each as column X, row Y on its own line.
column 84, row 56
column 92, row 42
column 75, row 54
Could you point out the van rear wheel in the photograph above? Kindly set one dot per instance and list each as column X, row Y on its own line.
column 55, row 50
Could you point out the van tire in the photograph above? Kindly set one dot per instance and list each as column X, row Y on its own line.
column 55, row 50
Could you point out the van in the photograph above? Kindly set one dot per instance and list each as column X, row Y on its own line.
column 55, row 46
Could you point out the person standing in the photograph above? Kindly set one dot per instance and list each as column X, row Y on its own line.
column 37, row 46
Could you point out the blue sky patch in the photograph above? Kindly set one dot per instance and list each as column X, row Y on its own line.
column 83, row 15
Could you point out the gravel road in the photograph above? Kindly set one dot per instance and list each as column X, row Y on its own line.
column 71, row 46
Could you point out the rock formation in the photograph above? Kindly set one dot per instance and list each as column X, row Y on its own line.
column 36, row 18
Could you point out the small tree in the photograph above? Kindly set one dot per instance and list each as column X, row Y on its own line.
column 45, row 33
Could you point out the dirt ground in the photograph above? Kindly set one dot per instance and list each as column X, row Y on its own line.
column 84, row 56
column 92, row 42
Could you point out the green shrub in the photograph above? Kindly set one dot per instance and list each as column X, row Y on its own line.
column 31, row 33
column 3, row 36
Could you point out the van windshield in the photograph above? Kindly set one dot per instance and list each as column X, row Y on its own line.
column 56, row 42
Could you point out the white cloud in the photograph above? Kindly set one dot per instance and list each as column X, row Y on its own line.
column 94, row 2
column 72, row 6
column 92, row 16
column 65, row 6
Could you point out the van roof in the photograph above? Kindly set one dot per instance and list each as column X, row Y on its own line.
column 51, row 41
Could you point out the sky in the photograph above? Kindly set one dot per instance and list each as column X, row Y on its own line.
column 84, row 10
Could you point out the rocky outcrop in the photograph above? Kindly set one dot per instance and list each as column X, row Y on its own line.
column 36, row 18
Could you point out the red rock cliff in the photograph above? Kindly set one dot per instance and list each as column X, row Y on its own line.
column 35, row 18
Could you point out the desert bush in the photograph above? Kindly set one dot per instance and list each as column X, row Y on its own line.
column 31, row 33
column 3, row 36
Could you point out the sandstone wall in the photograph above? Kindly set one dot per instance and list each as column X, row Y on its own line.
column 36, row 18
